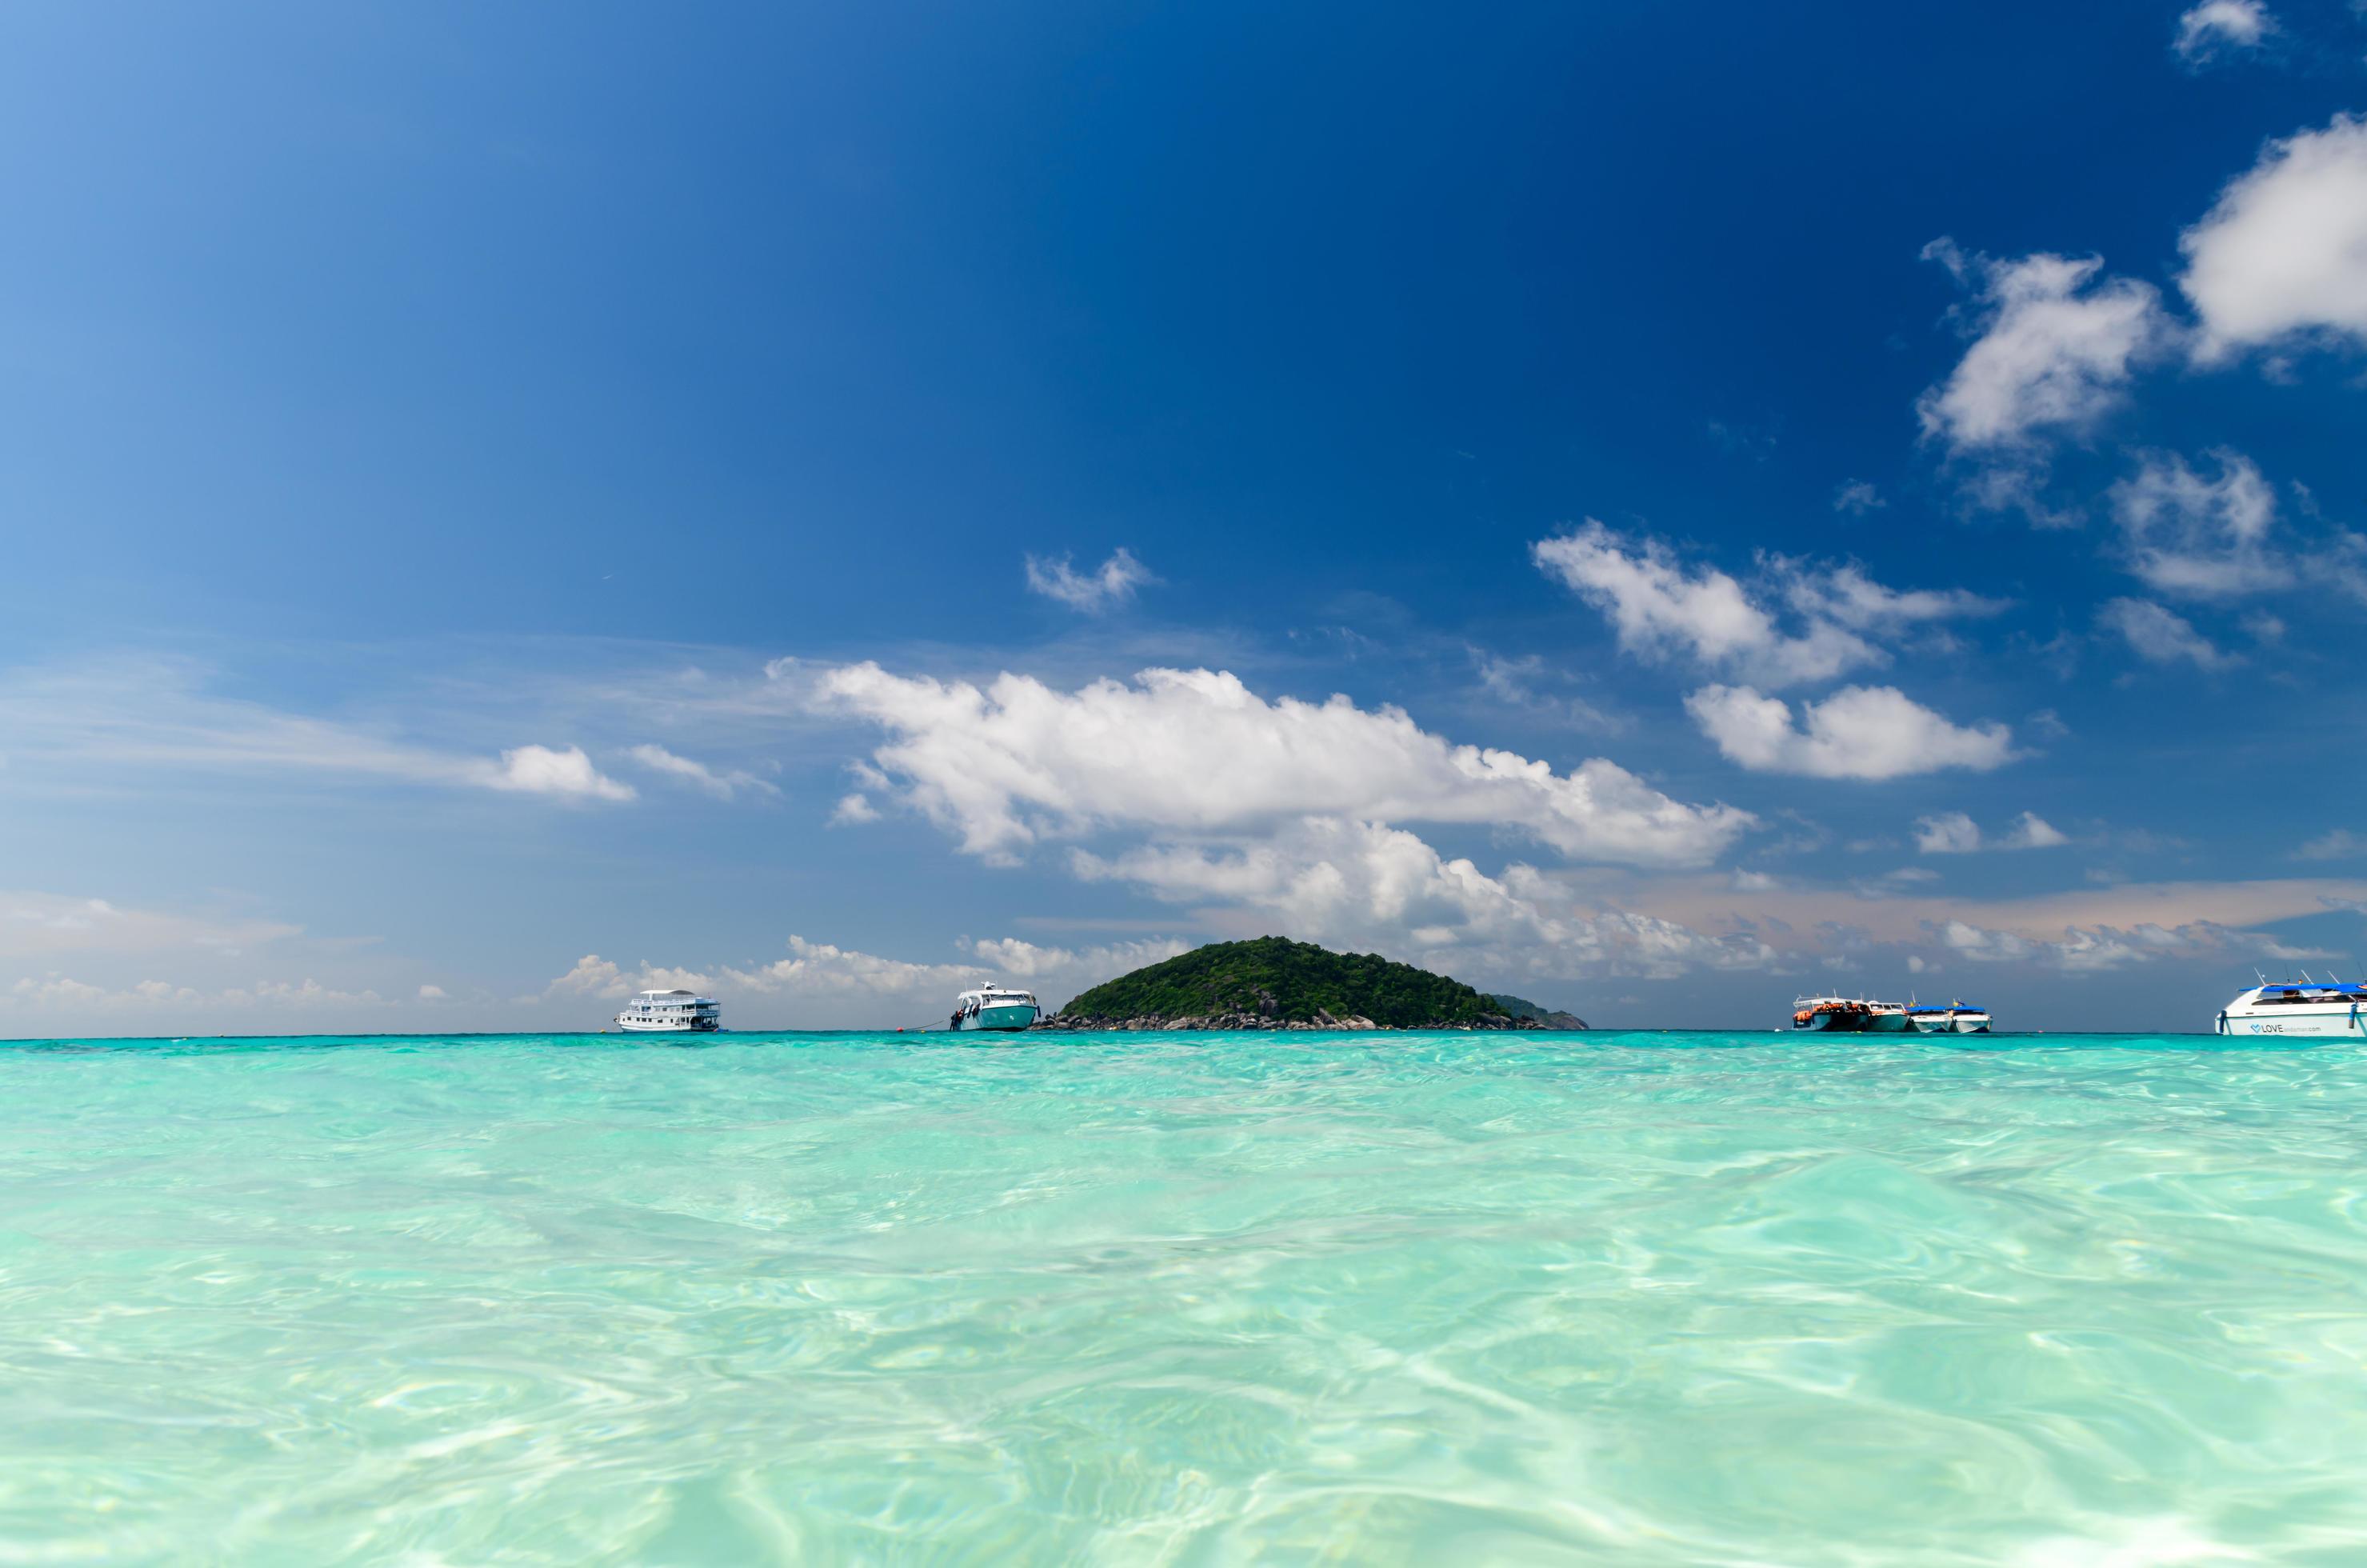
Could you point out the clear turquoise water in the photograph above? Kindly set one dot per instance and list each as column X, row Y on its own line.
column 1633, row 1299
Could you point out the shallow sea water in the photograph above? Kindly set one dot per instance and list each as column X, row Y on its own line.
column 1603, row 1298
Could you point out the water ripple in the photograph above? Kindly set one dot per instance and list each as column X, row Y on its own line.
column 1648, row 1299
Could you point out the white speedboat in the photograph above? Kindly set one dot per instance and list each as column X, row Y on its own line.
column 2313, row 1008
column 1832, row 1013
column 993, row 1007
column 1886, row 1017
column 1953, row 1018
column 669, row 1012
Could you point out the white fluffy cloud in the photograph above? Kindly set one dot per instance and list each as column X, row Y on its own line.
column 1018, row 762
column 1858, row 733
column 2219, row 27
column 595, row 976
column 1094, row 592
column 2160, row 636
column 1953, row 833
column 2284, row 251
column 723, row 786
column 1950, row 833
column 1660, row 610
column 540, row 770
column 822, row 970
column 2057, row 344
column 1360, row 884
column 2196, row 536
column 2031, row 830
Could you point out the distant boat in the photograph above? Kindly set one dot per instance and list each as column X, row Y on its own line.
column 1832, row 1013
column 993, row 1007
column 2313, row 1008
column 1849, row 1014
column 670, row 1012
column 1953, row 1018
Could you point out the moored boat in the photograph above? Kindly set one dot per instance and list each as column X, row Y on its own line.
column 2303, row 1008
column 1956, row 1018
column 993, row 1007
column 1831, row 1014
column 1886, row 1017
column 670, row 1012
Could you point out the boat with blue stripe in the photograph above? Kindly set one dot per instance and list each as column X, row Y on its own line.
column 2303, row 1008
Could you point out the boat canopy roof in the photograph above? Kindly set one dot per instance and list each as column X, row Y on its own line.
column 2330, row 987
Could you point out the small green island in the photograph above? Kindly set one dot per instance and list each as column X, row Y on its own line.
column 1273, row 983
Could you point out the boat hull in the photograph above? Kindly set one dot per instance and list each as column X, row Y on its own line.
column 1886, row 1023
column 1942, row 1023
column 704, row 1026
column 2295, row 1023
column 1004, row 1018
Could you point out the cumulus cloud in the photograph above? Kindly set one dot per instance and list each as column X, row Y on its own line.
column 723, row 786
column 595, row 976
column 825, row 971
column 431, row 993
column 1857, row 733
column 540, row 770
column 1954, row 833
column 2056, row 344
column 1950, row 833
column 1016, row 763
column 1094, row 592
column 1361, row 884
column 854, row 809
column 1663, row 611
column 2284, row 251
column 2217, row 28
column 2160, row 636
column 2195, row 536
column 2031, row 830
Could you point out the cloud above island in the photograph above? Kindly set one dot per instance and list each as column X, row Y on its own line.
column 1014, row 763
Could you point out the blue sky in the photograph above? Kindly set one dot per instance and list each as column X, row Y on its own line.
column 1656, row 511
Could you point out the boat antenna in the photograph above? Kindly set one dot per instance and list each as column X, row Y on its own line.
column 2258, row 976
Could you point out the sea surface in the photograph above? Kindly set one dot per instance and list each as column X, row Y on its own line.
column 1621, row 1298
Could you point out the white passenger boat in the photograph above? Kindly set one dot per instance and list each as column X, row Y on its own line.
column 2307, row 1008
column 669, row 1012
column 993, row 1007
column 1954, row 1018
